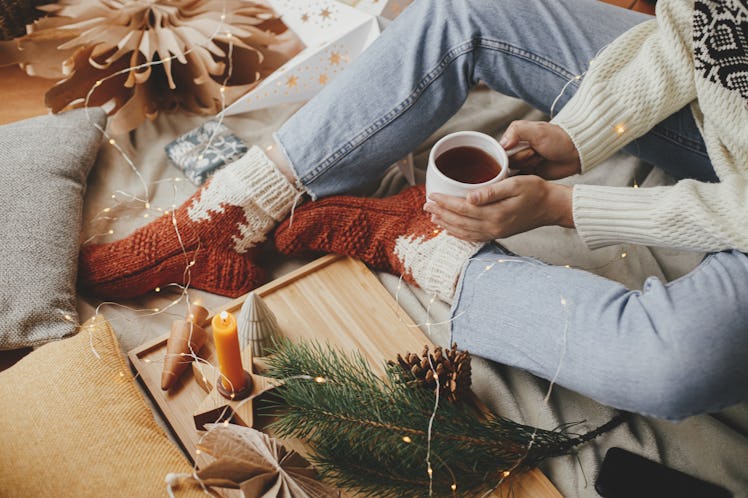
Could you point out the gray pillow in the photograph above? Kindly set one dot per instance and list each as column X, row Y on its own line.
column 44, row 163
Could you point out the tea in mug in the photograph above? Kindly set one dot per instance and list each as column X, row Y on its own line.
column 468, row 165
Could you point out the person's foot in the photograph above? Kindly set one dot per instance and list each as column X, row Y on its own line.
column 209, row 243
column 392, row 234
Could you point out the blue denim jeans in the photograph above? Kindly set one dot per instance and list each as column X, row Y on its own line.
column 670, row 350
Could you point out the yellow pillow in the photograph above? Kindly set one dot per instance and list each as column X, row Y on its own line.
column 76, row 425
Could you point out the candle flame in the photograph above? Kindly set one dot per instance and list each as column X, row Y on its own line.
column 224, row 316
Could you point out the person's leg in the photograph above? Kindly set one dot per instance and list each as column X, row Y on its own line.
column 209, row 242
column 418, row 73
column 671, row 350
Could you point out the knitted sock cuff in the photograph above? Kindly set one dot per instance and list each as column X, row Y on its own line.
column 436, row 263
column 266, row 186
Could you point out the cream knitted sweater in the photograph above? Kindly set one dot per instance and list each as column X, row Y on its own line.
column 645, row 75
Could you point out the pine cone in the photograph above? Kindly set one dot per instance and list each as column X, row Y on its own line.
column 451, row 366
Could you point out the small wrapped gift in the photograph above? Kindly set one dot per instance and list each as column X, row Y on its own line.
column 199, row 152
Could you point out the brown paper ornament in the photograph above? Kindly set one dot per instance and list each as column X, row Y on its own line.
column 258, row 464
column 139, row 57
column 186, row 338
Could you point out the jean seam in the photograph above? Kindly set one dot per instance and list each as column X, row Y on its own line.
column 542, row 62
column 449, row 57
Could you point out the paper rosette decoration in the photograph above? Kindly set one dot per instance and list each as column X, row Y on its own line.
column 105, row 52
column 258, row 465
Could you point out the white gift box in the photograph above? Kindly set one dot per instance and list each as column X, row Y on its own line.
column 333, row 33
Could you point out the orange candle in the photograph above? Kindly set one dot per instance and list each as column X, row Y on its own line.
column 226, row 340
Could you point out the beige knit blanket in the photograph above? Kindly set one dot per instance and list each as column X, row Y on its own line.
column 711, row 447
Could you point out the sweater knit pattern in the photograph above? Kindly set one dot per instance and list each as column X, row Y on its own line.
column 720, row 43
column 648, row 73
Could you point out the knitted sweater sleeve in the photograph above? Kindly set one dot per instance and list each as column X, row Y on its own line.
column 641, row 78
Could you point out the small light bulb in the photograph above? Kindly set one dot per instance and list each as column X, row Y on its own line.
column 148, row 205
column 406, row 439
column 620, row 128
column 320, row 380
column 158, row 289
column 197, row 452
column 563, row 301
column 623, row 255
column 106, row 210
column 453, row 487
column 145, row 215
column 98, row 83
column 505, row 473
column 430, row 471
column 110, row 232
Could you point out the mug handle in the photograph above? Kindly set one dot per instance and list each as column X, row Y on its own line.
column 521, row 145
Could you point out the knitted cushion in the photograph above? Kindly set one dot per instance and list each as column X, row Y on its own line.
column 77, row 425
column 44, row 163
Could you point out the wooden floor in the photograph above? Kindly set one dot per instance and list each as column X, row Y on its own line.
column 22, row 95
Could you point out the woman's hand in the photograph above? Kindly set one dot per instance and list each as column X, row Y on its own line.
column 552, row 154
column 511, row 206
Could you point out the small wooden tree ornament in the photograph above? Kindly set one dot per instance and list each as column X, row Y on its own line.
column 257, row 325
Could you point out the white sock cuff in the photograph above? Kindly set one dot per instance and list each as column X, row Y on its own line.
column 265, row 185
column 435, row 263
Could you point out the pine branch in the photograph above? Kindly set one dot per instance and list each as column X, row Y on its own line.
column 371, row 434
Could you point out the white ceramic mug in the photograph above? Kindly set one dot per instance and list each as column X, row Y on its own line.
column 438, row 182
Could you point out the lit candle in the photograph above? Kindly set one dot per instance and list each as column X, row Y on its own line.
column 226, row 340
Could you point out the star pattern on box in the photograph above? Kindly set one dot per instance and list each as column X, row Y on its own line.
column 334, row 33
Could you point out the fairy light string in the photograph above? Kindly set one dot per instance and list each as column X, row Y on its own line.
column 105, row 215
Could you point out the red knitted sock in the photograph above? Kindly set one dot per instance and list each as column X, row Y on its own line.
column 392, row 234
column 216, row 236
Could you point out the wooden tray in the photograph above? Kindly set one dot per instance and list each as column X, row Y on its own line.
column 333, row 299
